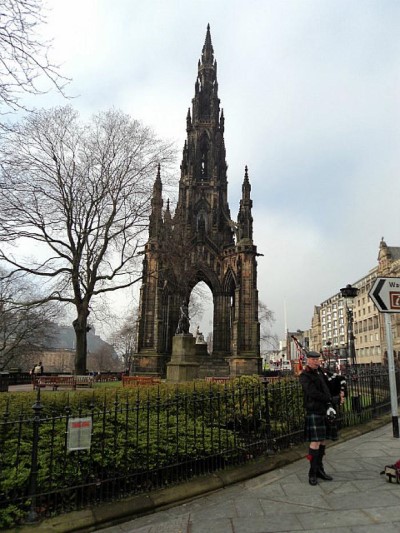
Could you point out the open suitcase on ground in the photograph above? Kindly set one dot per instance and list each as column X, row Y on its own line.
column 392, row 472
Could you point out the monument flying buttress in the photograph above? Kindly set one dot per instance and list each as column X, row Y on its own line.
column 200, row 242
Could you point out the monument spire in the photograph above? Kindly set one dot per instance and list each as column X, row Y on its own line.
column 199, row 242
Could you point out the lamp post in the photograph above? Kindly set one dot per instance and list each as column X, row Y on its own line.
column 349, row 293
column 328, row 354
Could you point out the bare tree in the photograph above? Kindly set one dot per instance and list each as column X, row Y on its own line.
column 210, row 338
column 124, row 340
column 104, row 359
column 24, row 61
column 266, row 318
column 196, row 302
column 23, row 329
column 80, row 193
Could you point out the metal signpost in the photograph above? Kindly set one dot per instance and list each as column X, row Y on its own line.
column 385, row 293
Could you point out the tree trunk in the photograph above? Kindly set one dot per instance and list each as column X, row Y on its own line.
column 81, row 329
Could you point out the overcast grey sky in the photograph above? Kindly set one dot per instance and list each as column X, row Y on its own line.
column 310, row 92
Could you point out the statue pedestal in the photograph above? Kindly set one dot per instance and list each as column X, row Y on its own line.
column 201, row 349
column 183, row 365
column 244, row 365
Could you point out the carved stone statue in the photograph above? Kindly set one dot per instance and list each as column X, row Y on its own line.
column 199, row 337
column 183, row 323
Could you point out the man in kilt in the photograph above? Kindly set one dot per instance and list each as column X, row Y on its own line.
column 320, row 423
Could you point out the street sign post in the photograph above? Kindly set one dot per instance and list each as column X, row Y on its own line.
column 385, row 293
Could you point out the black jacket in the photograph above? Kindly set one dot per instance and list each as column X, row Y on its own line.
column 317, row 396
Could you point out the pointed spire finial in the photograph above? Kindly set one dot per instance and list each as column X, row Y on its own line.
column 207, row 55
column 188, row 121
column 157, row 187
column 208, row 34
column 246, row 187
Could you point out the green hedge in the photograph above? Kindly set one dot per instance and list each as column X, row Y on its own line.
column 135, row 432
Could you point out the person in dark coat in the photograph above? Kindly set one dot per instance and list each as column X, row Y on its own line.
column 320, row 408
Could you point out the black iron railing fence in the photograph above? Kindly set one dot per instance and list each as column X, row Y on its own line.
column 146, row 439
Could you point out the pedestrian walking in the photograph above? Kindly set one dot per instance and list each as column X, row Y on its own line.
column 38, row 369
column 320, row 419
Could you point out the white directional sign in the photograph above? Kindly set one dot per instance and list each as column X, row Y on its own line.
column 385, row 293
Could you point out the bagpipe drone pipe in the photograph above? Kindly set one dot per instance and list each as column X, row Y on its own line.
column 336, row 382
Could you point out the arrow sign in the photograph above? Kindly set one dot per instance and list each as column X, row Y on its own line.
column 385, row 293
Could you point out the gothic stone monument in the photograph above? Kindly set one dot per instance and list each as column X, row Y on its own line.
column 200, row 242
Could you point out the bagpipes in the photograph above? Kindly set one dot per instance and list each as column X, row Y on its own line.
column 301, row 351
column 336, row 382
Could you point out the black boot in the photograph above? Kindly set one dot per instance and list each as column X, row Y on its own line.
column 312, row 474
column 320, row 470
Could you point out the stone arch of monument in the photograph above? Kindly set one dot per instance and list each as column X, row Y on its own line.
column 200, row 242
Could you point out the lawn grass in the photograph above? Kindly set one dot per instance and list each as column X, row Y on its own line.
column 108, row 385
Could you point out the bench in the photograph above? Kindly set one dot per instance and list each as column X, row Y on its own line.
column 84, row 381
column 137, row 381
column 105, row 378
column 270, row 379
column 215, row 379
column 54, row 382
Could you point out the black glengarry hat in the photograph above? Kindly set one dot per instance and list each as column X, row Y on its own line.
column 313, row 355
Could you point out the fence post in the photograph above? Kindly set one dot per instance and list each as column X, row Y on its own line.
column 373, row 397
column 37, row 408
column 266, row 410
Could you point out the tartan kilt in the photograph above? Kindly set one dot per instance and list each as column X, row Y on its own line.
column 318, row 428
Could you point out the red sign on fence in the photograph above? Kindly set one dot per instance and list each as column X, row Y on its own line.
column 79, row 435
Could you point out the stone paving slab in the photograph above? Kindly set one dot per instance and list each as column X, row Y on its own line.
column 325, row 519
column 377, row 528
column 268, row 524
column 220, row 525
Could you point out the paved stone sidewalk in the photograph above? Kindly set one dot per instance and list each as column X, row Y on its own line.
column 359, row 500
